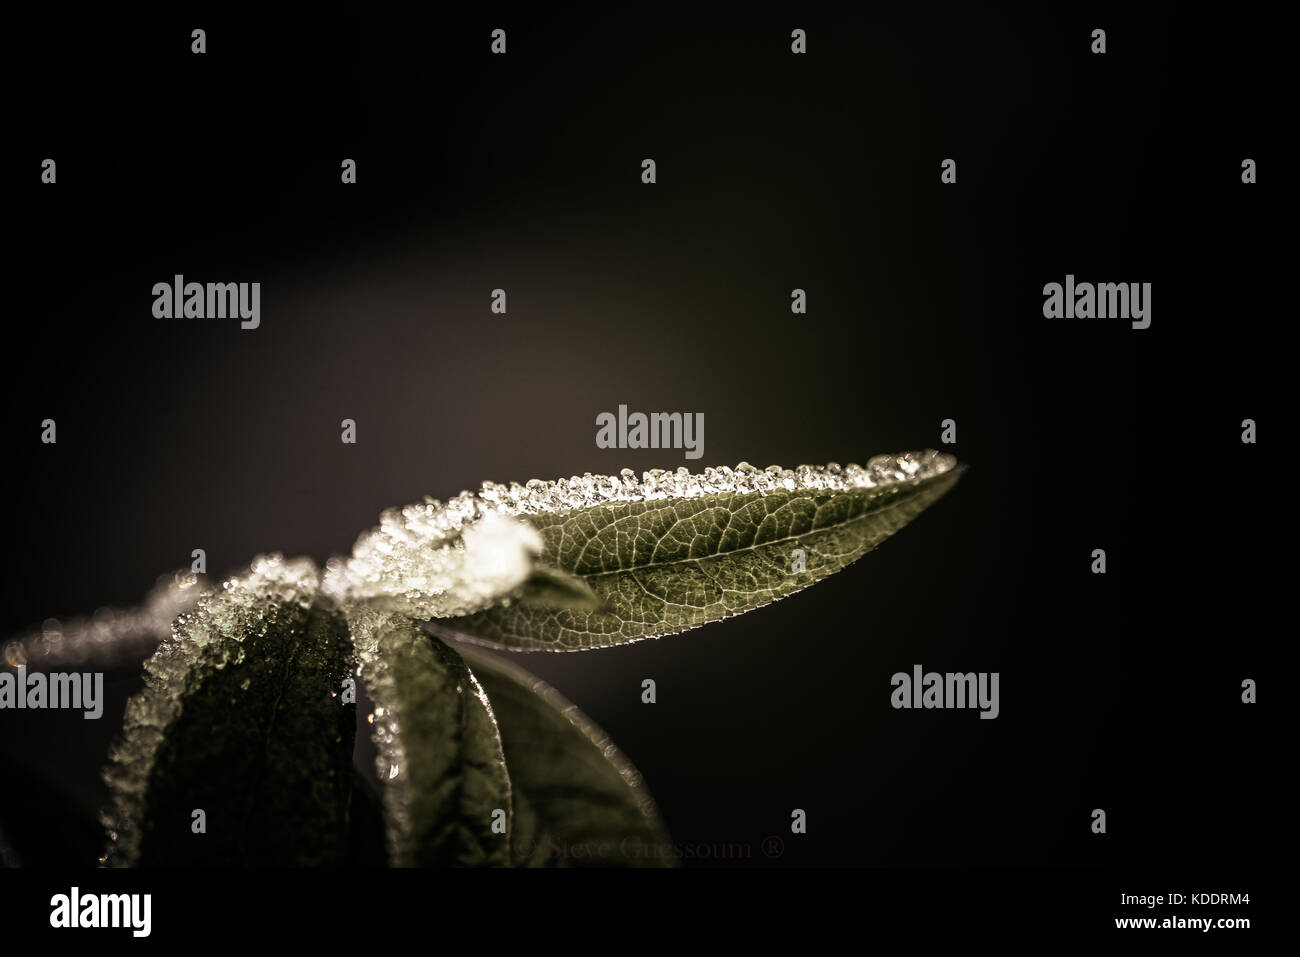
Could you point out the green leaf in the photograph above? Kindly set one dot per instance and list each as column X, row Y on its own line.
column 440, row 756
column 243, row 718
column 676, row 551
column 577, row 800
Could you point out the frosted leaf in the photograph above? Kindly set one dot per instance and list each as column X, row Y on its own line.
column 431, row 725
column 110, row 635
column 677, row 550
column 205, row 638
column 435, row 560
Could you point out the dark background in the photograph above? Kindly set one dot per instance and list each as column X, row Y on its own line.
column 774, row 172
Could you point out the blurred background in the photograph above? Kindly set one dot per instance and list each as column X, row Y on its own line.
column 775, row 172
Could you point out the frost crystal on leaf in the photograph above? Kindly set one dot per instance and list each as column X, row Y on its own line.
column 366, row 626
column 585, row 491
column 436, row 561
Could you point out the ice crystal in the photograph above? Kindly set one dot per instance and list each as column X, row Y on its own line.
column 436, row 561
column 585, row 491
